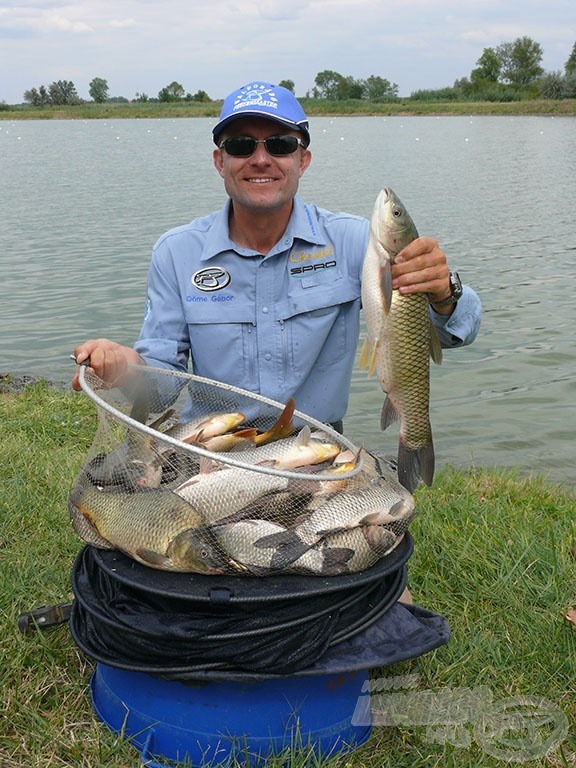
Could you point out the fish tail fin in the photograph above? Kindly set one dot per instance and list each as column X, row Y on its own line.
column 283, row 426
column 415, row 464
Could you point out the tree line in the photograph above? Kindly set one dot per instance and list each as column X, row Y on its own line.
column 510, row 71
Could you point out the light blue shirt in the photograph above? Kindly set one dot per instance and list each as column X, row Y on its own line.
column 282, row 325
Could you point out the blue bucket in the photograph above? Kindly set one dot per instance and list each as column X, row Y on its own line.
column 212, row 723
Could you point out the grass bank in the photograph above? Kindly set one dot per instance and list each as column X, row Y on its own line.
column 313, row 107
column 494, row 553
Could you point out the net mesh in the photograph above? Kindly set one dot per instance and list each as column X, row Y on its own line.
column 188, row 474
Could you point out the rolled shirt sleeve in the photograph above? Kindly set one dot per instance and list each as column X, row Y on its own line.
column 462, row 326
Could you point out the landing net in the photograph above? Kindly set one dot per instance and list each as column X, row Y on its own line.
column 189, row 474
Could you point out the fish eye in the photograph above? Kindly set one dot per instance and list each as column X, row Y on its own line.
column 396, row 211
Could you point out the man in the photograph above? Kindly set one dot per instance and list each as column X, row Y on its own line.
column 265, row 293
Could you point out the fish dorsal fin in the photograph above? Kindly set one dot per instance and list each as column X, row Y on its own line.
column 205, row 466
column 304, row 436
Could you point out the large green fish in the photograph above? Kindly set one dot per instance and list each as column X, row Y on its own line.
column 154, row 526
column 401, row 340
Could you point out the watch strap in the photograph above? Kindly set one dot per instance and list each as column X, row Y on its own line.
column 455, row 292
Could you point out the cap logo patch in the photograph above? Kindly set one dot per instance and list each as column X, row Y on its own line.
column 256, row 95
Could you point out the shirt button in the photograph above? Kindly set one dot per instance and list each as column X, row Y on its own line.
column 267, row 356
column 265, row 310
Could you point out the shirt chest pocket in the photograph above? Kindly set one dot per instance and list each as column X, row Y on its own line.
column 321, row 322
column 222, row 340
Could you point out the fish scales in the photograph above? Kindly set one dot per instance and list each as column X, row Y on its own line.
column 149, row 526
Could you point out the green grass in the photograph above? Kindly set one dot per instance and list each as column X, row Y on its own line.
column 313, row 107
column 494, row 553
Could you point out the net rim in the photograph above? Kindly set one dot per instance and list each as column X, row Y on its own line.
column 223, row 457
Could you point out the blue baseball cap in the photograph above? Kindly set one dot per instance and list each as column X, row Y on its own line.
column 263, row 100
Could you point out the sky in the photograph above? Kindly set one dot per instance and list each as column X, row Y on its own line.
column 140, row 46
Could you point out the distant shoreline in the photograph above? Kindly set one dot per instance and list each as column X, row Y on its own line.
column 313, row 108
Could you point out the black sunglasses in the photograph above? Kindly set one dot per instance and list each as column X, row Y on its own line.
column 244, row 146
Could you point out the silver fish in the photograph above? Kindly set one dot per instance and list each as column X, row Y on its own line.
column 375, row 514
column 205, row 427
column 226, row 491
column 238, row 540
column 290, row 453
column 368, row 544
column 375, row 505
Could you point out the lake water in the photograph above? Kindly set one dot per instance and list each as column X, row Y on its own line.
column 82, row 202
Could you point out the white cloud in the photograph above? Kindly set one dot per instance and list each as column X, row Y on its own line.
column 216, row 45
column 54, row 21
column 122, row 23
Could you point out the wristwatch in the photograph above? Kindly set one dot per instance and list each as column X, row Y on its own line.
column 455, row 291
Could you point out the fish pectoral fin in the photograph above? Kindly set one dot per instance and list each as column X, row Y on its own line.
column 288, row 545
column 153, row 559
column 246, row 438
column 365, row 353
column 374, row 518
column 368, row 356
column 335, row 559
column 435, row 345
column 389, row 414
column 379, row 539
column 386, row 283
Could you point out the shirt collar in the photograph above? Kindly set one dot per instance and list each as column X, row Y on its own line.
column 303, row 225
